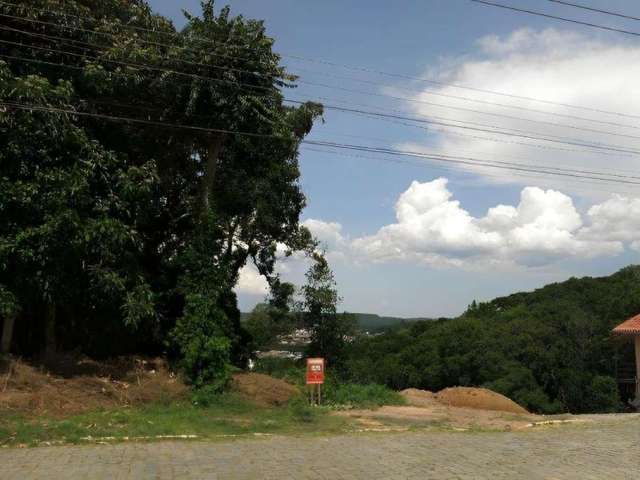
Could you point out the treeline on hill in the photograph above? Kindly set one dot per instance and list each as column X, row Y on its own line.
column 550, row 350
column 129, row 202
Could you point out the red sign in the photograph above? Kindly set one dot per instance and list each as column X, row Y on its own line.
column 315, row 371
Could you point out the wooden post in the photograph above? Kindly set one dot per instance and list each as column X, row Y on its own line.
column 637, row 348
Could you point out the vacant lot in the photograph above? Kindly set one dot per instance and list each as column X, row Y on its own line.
column 606, row 449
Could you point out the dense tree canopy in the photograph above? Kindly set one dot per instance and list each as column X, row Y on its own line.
column 143, row 167
column 551, row 350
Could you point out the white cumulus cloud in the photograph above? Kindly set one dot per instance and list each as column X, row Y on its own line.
column 251, row 282
column 545, row 226
column 562, row 67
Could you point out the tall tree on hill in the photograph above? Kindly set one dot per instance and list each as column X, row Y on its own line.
column 329, row 330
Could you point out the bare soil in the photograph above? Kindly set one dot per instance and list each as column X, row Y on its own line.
column 479, row 398
column 263, row 389
column 74, row 385
column 459, row 408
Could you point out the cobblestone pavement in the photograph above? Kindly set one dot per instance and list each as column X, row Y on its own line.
column 603, row 451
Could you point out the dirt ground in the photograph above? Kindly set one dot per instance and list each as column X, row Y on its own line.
column 73, row 385
column 458, row 408
column 263, row 389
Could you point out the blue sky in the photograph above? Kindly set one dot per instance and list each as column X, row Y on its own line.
column 440, row 256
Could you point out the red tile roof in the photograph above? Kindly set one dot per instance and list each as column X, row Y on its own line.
column 629, row 327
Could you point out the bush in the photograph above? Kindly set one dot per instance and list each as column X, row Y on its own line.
column 302, row 412
column 602, row 395
column 288, row 369
column 205, row 351
column 360, row 396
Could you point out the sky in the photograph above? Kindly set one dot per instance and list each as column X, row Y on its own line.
column 410, row 236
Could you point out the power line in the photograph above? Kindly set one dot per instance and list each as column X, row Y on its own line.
column 592, row 9
column 466, row 127
column 458, row 160
column 511, row 117
column 306, row 59
column 450, row 132
column 93, row 48
column 45, row 108
column 135, row 65
column 546, row 15
column 390, row 151
column 436, row 121
column 458, row 169
column 475, row 100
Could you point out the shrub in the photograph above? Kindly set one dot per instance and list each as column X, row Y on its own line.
column 360, row 396
column 602, row 395
column 302, row 412
column 205, row 351
column 288, row 369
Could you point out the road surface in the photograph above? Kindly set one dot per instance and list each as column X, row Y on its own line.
column 597, row 451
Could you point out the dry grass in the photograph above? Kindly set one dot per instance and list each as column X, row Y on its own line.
column 73, row 386
column 263, row 390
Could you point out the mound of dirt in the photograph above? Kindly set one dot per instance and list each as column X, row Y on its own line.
column 263, row 389
column 478, row 398
column 419, row 398
column 132, row 381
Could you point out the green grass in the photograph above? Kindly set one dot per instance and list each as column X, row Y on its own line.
column 360, row 396
column 334, row 393
column 228, row 415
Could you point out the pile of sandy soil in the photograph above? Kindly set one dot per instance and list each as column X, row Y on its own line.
column 62, row 391
column 463, row 397
column 478, row 398
column 263, row 389
column 419, row 398
column 459, row 407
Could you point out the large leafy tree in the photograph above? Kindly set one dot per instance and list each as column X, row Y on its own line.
column 204, row 105
column 69, row 212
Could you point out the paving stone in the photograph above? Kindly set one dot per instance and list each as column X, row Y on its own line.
column 595, row 451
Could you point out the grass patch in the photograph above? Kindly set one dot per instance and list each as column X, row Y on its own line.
column 334, row 393
column 227, row 415
column 361, row 396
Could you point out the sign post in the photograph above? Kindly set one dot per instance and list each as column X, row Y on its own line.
column 315, row 379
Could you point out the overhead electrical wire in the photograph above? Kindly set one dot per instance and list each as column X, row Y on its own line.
column 450, row 131
column 575, row 142
column 555, row 17
column 331, row 144
column 410, row 100
column 586, row 184
column 518, row 161
column 306, row 59
column 593, row 9
column 91, row 47
column 475, row 126
column 467, row 161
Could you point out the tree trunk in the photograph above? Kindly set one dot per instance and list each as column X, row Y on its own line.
column 209, row 177
column 7, row 334
column 50, row 329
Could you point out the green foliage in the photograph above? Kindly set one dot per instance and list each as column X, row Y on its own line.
column 225, row 414
column 204, row 350
column 602, row 395
column 550, row 350
column 329, row 331
column 360, row 396
column 119, row 229
column 293, row 371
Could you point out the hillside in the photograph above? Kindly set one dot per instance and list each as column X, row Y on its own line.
column 373, row 322
column 550, row 349
column 369, row 321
